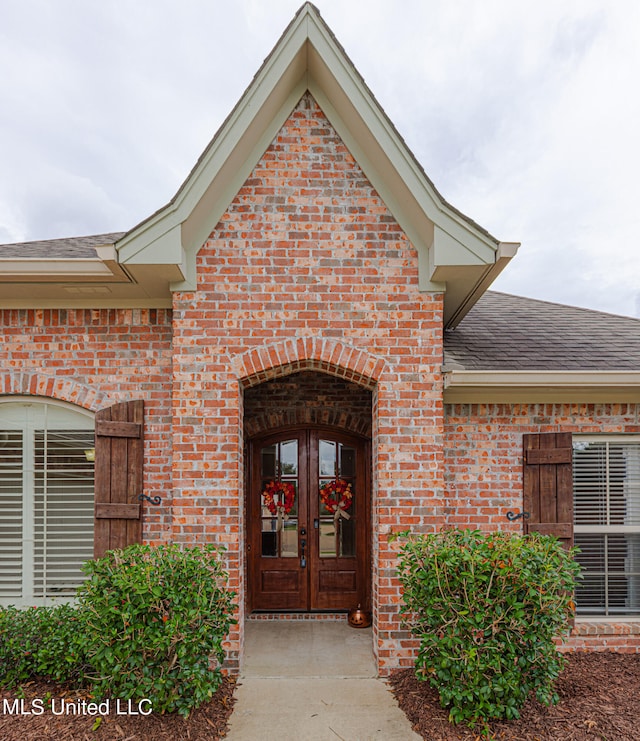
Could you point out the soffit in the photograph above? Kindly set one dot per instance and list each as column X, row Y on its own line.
column 79, row 272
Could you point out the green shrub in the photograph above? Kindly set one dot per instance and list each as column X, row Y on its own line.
column 154, row 624
column 486, row 609
column 149, row 623
column 41, row 641
column 19, row 644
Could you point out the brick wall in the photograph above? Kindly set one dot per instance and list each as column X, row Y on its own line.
column 307, row 301
column 483, row 476
column 307, row 310
column 483, row 452
column 602, row 636
column 308, row 271
column 95, row 358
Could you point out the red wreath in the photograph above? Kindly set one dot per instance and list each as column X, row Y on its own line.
column 279, row 497
column 336, row 495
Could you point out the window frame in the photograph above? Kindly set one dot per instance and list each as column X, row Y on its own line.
column 607, row 529
column 29, row 453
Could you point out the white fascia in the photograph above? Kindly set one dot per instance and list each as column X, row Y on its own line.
column 469, row 386
column 546, row 379
column 103, row 268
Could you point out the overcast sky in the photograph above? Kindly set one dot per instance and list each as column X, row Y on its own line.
column 526, row 116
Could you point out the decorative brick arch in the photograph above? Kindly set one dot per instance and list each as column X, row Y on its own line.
column 55, row 387
column 307, row 416
column 308, row 353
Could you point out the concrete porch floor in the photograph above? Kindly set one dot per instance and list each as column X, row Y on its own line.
column 304, row 680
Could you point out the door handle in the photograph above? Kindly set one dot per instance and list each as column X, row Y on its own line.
column 316, row 523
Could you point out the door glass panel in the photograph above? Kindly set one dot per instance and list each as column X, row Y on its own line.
column 336, row 504
column 289, row 458
column 337, row 535
column 279, row 499
column 327, row 538
column 347, row 461
column 289, row 539
column 268, row 461
column 327, row 455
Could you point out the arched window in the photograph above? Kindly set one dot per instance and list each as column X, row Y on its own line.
column 47, row 453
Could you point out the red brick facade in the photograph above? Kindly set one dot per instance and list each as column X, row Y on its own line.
column 483, row 477
column 307, row 270
column 604, row 636
column 95, row 358
column 307, row 310
column 483, row 452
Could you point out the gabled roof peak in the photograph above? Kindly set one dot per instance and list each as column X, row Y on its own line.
column 455, row 255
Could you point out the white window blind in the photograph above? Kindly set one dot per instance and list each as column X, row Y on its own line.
column 606, row 475
column 11, row 513
column 46, row 500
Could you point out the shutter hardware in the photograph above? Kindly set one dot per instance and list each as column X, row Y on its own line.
column 511, row 516
column 153, row 500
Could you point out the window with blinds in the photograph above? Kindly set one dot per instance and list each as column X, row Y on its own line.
column 606, row 480
column 46, row 500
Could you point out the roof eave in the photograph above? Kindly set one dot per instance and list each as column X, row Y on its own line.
column 77, row 282
column 104, row 268
column 456, row 310
column 568, row 386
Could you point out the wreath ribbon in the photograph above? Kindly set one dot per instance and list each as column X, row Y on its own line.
column 340, row 512
column 282, row 517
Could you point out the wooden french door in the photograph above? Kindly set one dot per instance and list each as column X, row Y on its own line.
column 308, row 521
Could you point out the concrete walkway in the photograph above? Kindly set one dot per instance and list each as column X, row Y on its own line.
column 313, row 680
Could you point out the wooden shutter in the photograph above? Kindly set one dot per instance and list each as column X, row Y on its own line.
column 118, row 476
column 548, row 485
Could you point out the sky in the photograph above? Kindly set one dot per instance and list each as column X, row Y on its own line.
column 525, row 115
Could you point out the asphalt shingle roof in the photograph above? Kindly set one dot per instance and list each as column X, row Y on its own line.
column 504, row 332
column 68, row 248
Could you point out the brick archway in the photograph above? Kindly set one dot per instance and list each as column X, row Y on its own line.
column 54, row 387
column 317, row 357
column 267, row 362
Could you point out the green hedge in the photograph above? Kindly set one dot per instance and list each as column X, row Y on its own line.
column 149, row 623
column 40, row 642
column 486, row 609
